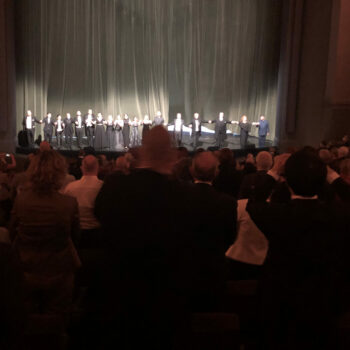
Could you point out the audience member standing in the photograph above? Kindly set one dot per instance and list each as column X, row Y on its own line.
column 44, row 222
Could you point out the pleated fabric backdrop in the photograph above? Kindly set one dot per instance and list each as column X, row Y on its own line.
column 140, row 56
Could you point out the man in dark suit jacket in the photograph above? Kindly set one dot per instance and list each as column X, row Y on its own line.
column 307, row 259
column 213, row 228
column 259, row 178
column 29, row 122
column 49, row 126
column 196, row 126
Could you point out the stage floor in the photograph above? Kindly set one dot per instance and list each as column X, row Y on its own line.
column 206, row 141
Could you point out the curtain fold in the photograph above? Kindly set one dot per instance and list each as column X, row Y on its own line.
column 141, row 56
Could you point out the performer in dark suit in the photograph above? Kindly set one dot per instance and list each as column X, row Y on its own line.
column 48, row 127
column 59, row 127
column 90, row 127
column 245, row 128
column 196, row 126
column 158, row 119
column 68, row 130
column 220, row 130
column 29, row 126
column 178, row 127
column 79, row 129
column 126, row 131
column 263, row 130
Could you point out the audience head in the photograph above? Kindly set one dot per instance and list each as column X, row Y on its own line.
column 46, row 172
column 325, row 156
column 90, row 166
column 264, row 161
column 157, row 152
column 244, row 119
column 226, row 157
column 182, row 152
column 204, row 167
column 305, row 174
column 343, row 152
column 45, row 146
column 123, row 163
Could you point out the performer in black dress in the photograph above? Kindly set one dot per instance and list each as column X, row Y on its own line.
column 48, row 128
column 59, row 127
column 220, row 130
column 79, row 129
column 196, row 126
column 126, row 131
column 100, row 134
column 110, row 133
column 29, row 126
column 68, row 130
column 245, row 128
column 135, row 136
column 146, row 125
column 118, row 131
column 90, row 127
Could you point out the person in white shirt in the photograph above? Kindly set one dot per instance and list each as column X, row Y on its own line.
column 59, row 126
column 29, row 126
column 196, row 126
column 178, row 126
column 85, row 191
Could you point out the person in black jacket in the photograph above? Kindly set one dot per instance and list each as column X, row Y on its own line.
column 307, row 261
column 68, row 130
column 196, row 126
column 49, row 126
column 29, row 122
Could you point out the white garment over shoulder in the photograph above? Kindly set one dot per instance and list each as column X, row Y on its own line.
column 251, row 245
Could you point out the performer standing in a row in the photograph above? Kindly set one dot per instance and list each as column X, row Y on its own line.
column 68, row 130
column 29, row 126
column 109, row 133
column 220, row 130
column 99, row 142
column 158, row 119
column 118, row 129
column 263, row 130
column 48, row 128
column 135, row 137
column 178, row 127
column 79, row 131
column 89, row 125
column 245, row 128
column 196, row 126
column 59, row 127
column 126, row 131
column 146, row 125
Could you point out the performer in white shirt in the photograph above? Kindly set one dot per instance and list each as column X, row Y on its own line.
column 59, row 126
column 29, row 126
column 196, row 126
column 178, row 128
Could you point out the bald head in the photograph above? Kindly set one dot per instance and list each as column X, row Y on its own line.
column 204, row 167
column 89, row 166
column 264, row 161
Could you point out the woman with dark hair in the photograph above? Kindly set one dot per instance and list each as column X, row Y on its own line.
column 42, row 226
column 100, row 134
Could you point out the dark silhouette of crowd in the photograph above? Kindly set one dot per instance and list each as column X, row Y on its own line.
column 167, row 250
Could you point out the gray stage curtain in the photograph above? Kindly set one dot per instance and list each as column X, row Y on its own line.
column 140, row 56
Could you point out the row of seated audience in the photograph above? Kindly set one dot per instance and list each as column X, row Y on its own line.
column 157, row 235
